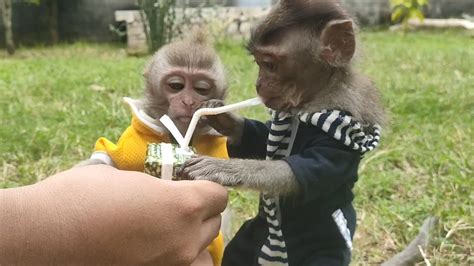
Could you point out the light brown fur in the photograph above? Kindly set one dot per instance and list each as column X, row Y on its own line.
column 190, row 54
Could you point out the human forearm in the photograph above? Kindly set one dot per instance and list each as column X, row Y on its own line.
column 101, row 215
column 33, row 228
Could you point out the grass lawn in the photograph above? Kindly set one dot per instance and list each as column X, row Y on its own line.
column 55, row 102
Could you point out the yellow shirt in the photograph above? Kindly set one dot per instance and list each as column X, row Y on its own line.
column 130, row 151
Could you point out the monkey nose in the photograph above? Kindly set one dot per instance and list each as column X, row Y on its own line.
column 189, row 102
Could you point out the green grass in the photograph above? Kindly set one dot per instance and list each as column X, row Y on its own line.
column 51, row 115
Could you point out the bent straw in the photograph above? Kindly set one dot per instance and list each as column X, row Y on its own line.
column 184, row 142
column 214, row 111
column 168, row 123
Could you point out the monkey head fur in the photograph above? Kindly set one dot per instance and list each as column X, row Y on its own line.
column 304, row 49
column 181, row 76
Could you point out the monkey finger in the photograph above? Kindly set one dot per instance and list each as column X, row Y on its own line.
column 193, row 161
column 212, row 104
column 183, row 172
column 186, row 175
column 193, row 174
column 203, row 122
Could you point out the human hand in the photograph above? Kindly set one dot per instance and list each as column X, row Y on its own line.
column 228, row 124
column 97, row 214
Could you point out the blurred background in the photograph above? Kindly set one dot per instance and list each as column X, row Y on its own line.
column 65, row 66
column 52, row 21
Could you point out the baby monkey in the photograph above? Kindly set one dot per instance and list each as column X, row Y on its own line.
column 179, row 78
column 305, row 160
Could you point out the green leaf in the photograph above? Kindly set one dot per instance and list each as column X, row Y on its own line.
column 394, row 3
column 398, row 13
column 423, row 2
column 416, row 13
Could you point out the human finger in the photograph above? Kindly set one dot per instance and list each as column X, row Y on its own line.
column 209, row 230
column 212, row 197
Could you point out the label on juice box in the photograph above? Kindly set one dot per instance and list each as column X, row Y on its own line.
column 163, row 159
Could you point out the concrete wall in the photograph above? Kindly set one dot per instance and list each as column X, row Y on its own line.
column 241, row 3
column 78, row 20
column 90, row 19
column 369, row 12
column 27, row 23
column 450, row 8
column 375, row 12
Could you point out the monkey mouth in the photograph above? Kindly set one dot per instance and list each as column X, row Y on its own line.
column 271, row 102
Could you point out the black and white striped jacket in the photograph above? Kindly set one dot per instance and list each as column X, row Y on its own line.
column 323, row 149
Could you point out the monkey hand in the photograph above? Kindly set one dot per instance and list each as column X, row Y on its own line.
column 224, row 172
column 228, row 124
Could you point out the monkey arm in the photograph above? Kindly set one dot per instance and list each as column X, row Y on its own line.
column 320, row 167
column 274, row 177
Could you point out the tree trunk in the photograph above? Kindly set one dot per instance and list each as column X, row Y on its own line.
column 6, row 8
column 53, row 21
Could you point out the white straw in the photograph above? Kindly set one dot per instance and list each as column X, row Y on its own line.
column 168, row 123
column 184, row 142
column 214, row 111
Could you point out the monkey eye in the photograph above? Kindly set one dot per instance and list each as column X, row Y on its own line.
column 176, row 86
column 202, row 87
column 176, row 83
column 202, row 90
column 269, row 65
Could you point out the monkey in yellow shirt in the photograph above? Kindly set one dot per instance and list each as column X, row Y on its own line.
column 179, row 79
column 130, row 151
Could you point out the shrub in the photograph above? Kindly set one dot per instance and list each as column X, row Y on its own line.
column 160, row 19
column 403, row 10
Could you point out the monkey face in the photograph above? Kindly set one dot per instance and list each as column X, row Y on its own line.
column 280, row 74
column 180, row 77
column 185, row 92
column 297, row 61
column 269, row 85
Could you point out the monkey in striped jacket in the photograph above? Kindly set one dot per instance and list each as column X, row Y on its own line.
column 304, row 161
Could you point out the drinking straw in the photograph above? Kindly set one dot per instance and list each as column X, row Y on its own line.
column 184, row 141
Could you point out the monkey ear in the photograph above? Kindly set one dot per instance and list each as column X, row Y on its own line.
column 146, row 71
column 338, row 42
